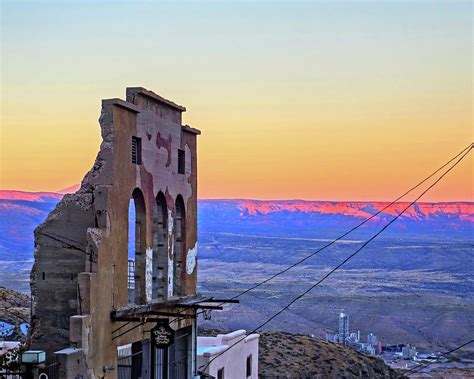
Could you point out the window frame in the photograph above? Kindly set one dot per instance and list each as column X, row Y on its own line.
column 136, row 150
column 181, row 161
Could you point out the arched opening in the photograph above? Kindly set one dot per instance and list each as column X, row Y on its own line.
column 160, row 248
column 179, row 245
column 136, row 248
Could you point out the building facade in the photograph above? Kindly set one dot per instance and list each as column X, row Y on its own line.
column 94, row 290
column 232, row 355
column 409, row 352
column 343, row 328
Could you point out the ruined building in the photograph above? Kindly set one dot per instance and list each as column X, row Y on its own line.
column 93, row 296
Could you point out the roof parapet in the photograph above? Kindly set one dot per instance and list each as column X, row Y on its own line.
column 143, row 91
column 121, row 103
column 189, row 129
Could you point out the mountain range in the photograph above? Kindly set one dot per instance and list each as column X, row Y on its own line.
column 328, row 219
column 21, row 212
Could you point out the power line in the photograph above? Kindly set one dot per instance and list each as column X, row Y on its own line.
column 466, row 152
column 421, row 366
column 75, row 247
column 128, row 330
column 346, row 233
column 62, row 239
column 351, row 230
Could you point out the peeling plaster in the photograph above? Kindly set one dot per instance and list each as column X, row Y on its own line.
column 170, row 253
column 170, row 223
column 170, row 275
column 162, row 152
column 161, row 142
column 138, row 179
column 191, row 258
column 149, row 274
column 188, row 160
column 108, row 225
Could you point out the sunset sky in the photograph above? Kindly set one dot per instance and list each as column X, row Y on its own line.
column 311, row 100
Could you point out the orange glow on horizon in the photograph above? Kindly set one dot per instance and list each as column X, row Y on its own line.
column 305, row 101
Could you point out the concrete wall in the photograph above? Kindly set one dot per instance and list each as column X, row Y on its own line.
column 216, row 352
column 81, row 250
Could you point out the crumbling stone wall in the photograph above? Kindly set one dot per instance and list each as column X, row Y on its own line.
column 81, row 255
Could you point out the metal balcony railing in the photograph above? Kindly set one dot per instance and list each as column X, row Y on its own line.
column 131, row 275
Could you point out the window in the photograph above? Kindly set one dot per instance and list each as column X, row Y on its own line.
column 136, row 150
column 181, row 161
column 136, row 243
column 179, row 245
column 220, row 373
column 249, row 366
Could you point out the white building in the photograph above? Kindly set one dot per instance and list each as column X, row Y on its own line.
column 343, row 327
column 372, row 339
column 239, row 362
column 409, row 352
column 332, row 338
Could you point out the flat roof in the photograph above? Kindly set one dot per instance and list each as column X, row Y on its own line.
column 154, row 96
column 121, row 103
column 211, row 350
column 190, row 129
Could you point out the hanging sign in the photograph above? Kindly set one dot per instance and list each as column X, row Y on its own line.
column 162, row 336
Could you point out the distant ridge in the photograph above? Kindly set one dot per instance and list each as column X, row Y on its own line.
column 30, row 196
column 463, row 209
column 70, row 189
column 360, row 209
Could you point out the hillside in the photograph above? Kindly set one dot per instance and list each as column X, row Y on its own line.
column 282, row 355
column 299, row 356
column 285, row 355
column 14, row 312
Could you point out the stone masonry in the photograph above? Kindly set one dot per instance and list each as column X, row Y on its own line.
column 80, row 272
